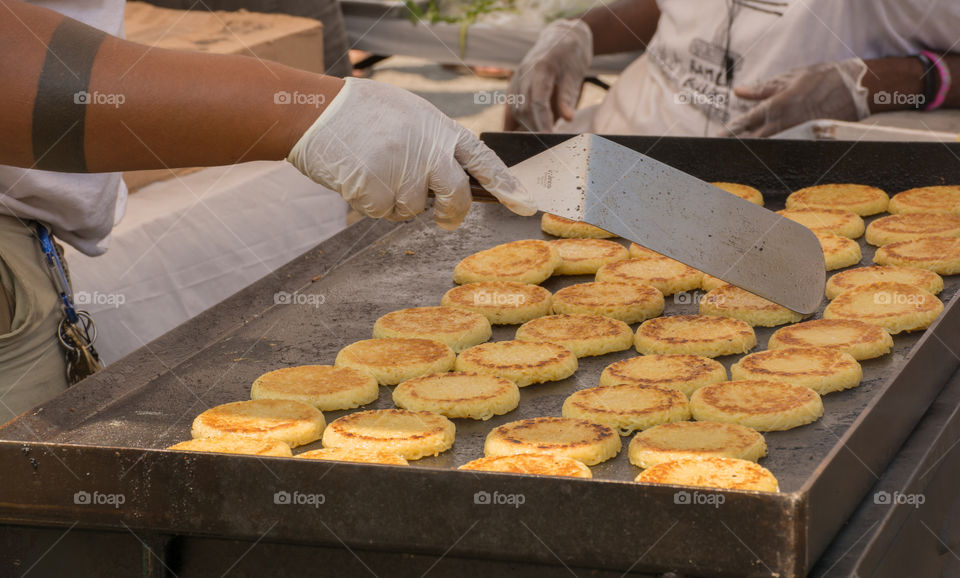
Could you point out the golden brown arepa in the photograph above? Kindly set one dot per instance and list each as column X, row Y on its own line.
column 568, row 228
column 584, row 335
column 291, row 422
column 526, row 261
column 836, row 221
column 325, row 387
column 910, row 226
column 822, row 369
column 522, row 362
column 695, row 439
column 938, row 254
column 732, row 301
column 936, row 199
column 628, row 407
column 408, row 434
column 456, row 327
column 760, row 404
column 922, row 278
column 628, row 302
column 395, row 359
column 859, row 339
column 863, row 200
column 588, row 442
column 684, row 373
column 706, row 335
column 535, row 464
column 745, row 192
column 712, row 472
column 501, row 302
column 586, row 256
column 894, row 306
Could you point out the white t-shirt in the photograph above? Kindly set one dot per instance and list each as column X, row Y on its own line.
column 679, row 86
column 81, row 208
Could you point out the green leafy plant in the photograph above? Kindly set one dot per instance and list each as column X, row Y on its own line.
column 465, row 15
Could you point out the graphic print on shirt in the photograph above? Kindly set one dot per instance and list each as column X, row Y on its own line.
column 704, row 76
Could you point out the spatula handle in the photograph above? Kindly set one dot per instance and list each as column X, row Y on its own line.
column 478, row 193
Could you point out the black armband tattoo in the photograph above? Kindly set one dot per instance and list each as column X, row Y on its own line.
column 62, row 97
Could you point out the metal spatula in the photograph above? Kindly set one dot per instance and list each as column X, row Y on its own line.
column 592, row 179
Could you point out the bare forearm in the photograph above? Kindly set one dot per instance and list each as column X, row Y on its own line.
column 189, row 109
column 897, row 83
column 623, row 26
column 144, row 108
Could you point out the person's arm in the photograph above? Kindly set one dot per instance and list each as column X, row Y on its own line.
column 624, row 26
column 77, row 100
column 146, row 107
column 895, row 83
column 546, row 85
column 846, row 90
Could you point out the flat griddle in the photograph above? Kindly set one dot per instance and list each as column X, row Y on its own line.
column 107, row 433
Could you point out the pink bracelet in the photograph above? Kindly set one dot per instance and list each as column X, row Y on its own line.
column 944, row 73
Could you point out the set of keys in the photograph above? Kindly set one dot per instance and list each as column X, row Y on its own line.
column 77, row 332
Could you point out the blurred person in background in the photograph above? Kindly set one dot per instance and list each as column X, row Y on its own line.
column 740, row 67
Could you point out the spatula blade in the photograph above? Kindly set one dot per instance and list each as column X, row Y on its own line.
column 592, row 179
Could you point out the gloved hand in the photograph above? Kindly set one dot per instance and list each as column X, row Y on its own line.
column 382, row 148
column 831, row 90
column 557, row 64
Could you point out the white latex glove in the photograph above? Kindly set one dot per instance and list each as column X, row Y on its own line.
column 557, row 63
column 832, row 90
column 382, row 148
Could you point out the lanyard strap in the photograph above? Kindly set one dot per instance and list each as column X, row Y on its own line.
column 60, row 282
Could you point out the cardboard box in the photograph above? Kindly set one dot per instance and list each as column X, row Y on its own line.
column 290, row 40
